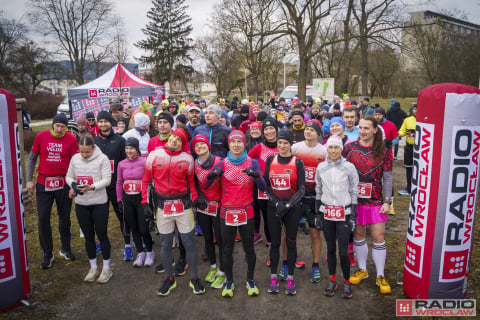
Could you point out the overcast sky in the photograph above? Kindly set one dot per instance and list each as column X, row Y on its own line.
column 134, row 13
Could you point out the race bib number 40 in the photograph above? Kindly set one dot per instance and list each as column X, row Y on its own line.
column 280, row 181
column 54, row 183
column 83, row 180
column 132, row 186
column 364, row 190
column 334, row 213
column 236, row 217
column 173, row 208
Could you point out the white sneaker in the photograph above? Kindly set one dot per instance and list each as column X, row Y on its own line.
column 91, row 275
column 105, row 276
column 140, row 260
column 149, row 261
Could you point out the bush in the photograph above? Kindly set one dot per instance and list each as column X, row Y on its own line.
column 28, row 137
column 43, row 106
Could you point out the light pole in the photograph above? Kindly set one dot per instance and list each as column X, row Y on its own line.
column 246, row 94
column 284, row 73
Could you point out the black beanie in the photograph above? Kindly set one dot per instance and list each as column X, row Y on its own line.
column 285, row 135
column 262, row 115
column 381, row 111
column 166, row 116
column 133, row 142
column 105, row 115
column 245, row 109
column 90, row 115
column 60, row 118
column 269, row 121
column 315, row 126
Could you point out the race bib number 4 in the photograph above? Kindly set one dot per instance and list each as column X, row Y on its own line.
column 54, row 183
column 334, row 213
column 211, row 210
column 310, row 174
column 364, row 190
column 132, row 186
column 280, row 181
column 236, row 217
column 173, row 208
column 83, row 180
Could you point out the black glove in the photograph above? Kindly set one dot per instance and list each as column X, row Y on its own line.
column 280, row 209
column 200, row 203
column 318, row 204
column 318, row 221
column 147, row 211
column 216, row 171
column 75, row 189
column 120, row 207
column 252, row 172
column 353, row 218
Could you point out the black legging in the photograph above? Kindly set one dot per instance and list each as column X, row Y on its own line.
column 94, row 219
column 408, row 162
column 133, row 212
column 290, row 220
column 256, row 209
column 124, row 228
column 211, row 226
column 228, row 236
column 263, row 204
column 333, row 231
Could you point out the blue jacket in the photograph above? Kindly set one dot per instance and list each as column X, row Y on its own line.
column 217, row 136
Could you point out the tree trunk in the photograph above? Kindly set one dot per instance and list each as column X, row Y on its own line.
column 364, row 55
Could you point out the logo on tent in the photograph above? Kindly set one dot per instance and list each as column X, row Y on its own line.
column 108, row 92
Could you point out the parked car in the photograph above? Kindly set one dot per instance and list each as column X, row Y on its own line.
column 64, row 108
column 291, row 91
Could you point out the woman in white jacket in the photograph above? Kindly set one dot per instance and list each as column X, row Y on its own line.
column 88, row 175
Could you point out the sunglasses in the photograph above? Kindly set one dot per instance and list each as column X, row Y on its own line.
column 90, row 119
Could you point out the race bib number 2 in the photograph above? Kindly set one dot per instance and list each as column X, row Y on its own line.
column 236, row 217
column 54, row 183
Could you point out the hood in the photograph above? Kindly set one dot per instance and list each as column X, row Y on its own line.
column 251, row 116
column 395, row 108
column 96, row 153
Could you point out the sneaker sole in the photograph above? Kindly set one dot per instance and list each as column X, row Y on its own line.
column 290, row 293
column 354, row 281
column 347, row 297
column 196, row 292
column 65, row 256
column 218, row 286
column 330, row 295
column 389, row 292
column 169, row 290
column 273, row 291
column 227, row 295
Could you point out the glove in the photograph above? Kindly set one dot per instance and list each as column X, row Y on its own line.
column 318, row 204
column 200, row 203
column 280, row 209
column 252, row 172
column 353, row 218
column 216, row 171
column 120, row 207
column 388, row 143
column 75, row 189
column 318, row 221
column 147, row 211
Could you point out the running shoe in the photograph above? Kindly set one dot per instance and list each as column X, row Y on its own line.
column 330, row 289
column 383, row 284
column 252, row 289
column 358, row 276
column 150, row 259
column 347, row 290
column 315, row 275
column 273, row 285
column 210, row 277
column 403, row 192
column 237, row 238
column 228, row 290
column 290, row 290
column 351, row 257
column 161, row 269
column 181, row 267
column 67, row 254
column 168, row 285
column 282, row 275
column 47, row 262
column 127, row 254
column 219, row 281
column 105, row 276
column 299, row 263
column 140, row 260
column 257, row 238
column 98, row 248
column 196, row 286
column 91, row 275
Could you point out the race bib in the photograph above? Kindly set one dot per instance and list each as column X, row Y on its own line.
column 235, row 218
column 334, row 213
column 54, row 183
column 173, row 208
column 364, row 190
column 262, row 195
column 83, row 180
column 280, row 181
column 132, row 186
column 211, row 210
column 411, row 134
column 310, row 174
column 112, row 165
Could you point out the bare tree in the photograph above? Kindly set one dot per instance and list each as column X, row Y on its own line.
column 80, row 27
column 384, row 68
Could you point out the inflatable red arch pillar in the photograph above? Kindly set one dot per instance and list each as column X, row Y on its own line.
column 444, row 189
column 14, row 275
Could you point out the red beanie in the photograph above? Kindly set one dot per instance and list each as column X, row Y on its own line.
column 198, row 139
column 236, row 134
column 179, row 132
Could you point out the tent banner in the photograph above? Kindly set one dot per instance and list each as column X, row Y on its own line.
column 83, row 106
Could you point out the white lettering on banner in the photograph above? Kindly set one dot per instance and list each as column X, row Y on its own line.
column 20, row 197
column 419, row 202
column 107, row 92
column 461, row 199
column 7, row 262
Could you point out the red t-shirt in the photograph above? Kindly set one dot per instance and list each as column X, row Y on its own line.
column 261, row 152
column 54, row 153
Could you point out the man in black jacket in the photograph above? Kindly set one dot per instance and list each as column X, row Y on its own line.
column 396, row 115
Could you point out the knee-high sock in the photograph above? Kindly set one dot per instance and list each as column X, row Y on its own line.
column 379, row 255
column 361, row 250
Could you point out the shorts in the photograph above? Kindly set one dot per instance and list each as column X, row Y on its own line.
column 370, row 215
column 166, row 224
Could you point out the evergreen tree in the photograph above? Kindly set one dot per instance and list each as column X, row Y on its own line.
column 168, row 42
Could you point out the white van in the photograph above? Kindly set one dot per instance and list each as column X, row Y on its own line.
column 292, row 89
column 64, row 108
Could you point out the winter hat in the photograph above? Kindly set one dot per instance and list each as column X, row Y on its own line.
column 326, row 126
column 179, row 132
column 60, row 118
column 155, row 102
column 380, row 110
column 82, row 119
column 285, row 135
column 335, row 141
column 141, row 119
column 257, row 125
column 396, row 104
column 203, row 101
column 166, row 116
column 90, row 115
column 245, row 109
column 72, row 125
column 324, row 107
column 133, row 142
column 194, row 107
column 354, row 103
column 269, row 122
column 236, row 122
column 336, row 106
column 295, row 100
column 315, row 106
column 262, row 115
column 182, row 118
column 236, row 134
column 274, row 111
column 145, row 106
column 338, row 120
column 315, row 125
column 216, row 109
column 105, row 115
column 225, row 115
column 198, row 139
column 244, row 102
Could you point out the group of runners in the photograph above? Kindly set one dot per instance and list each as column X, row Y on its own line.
column 327, row 164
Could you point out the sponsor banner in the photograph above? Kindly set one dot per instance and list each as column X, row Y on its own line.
column 419, row 199
column 324, row 87
column 436, row 307
column 108, row 92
